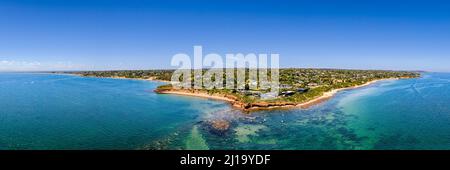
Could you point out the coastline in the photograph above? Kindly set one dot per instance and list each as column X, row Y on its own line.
column 264, row 105
column 198, row 94
column 248, row 107
column 123, row 78
column 328, row 95
column 148, row 79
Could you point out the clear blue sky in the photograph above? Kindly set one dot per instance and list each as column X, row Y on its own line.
column 137, row 34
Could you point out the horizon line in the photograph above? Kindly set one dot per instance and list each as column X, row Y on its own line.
column 319, row 68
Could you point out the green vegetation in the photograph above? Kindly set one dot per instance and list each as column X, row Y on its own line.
column 136, row 74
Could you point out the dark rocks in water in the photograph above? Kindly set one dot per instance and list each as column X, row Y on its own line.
column 162, row 144
column 219, row 127
column 250, row 120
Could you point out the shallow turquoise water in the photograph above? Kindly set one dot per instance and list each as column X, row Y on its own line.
column 45, row 111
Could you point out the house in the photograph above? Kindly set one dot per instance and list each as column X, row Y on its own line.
column 288, row 93
column 312, row 84
column 253, row 83
column 302, row 90
column 269, row 95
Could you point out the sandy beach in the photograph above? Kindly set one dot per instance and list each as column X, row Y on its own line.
column 330, row 94
column 125, row 78
column 147, row 79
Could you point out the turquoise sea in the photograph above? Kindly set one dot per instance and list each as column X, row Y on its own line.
column 49, row 111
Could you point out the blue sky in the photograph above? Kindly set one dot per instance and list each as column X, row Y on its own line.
column 138, row 34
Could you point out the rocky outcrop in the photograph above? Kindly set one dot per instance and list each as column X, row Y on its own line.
column 230, row 96
column 219, row 127
column 259, row 105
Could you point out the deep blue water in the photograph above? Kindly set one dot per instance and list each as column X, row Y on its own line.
column 47, row 111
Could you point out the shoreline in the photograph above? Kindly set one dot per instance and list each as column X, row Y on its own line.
column 264, row 105
column 121, row 78
column 248, row 107
column 328, row 95
column 200, row 95
column 148, row 79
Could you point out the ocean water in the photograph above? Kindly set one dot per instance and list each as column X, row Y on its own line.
column 47, row 111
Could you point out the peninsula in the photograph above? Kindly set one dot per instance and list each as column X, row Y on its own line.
column 298, row 87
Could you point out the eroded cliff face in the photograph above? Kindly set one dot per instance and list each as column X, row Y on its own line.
column 234, row 101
